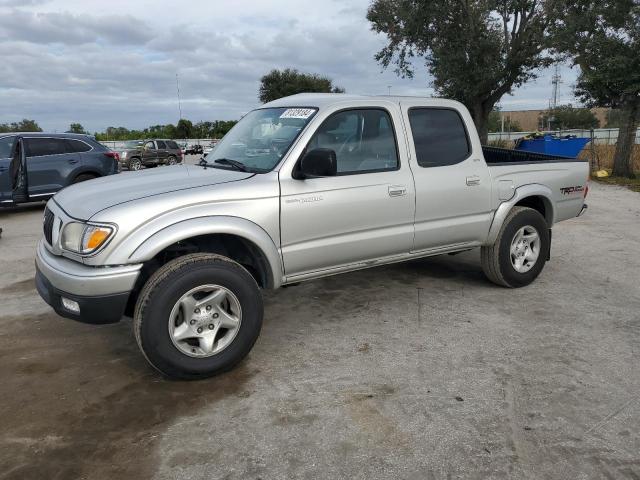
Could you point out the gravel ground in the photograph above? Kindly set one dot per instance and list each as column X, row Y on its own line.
column 416, row 370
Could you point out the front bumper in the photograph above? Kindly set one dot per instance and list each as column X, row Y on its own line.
column 100, row 292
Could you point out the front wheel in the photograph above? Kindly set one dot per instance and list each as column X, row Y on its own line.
column 520, row 251
column 197, row 316
column 135, row 164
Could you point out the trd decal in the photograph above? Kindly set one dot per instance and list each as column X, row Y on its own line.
column 570, row 190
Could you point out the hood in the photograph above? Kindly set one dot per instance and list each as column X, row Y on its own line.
column 83, row 200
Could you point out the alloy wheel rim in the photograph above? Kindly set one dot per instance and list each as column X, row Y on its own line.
column 205, row 321
column 525, row 249
column 135, row 165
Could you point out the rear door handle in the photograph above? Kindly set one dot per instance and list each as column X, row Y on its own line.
column 474, row 180
column 397, row 190
column 72, row 160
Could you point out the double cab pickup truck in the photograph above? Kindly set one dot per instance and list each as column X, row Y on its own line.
column 303, row 187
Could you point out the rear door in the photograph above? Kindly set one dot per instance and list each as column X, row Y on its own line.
column 162, row 151
column 150, row 153
column 452, row 181
column 6, row 151
column 362, row 214
column 49, row 165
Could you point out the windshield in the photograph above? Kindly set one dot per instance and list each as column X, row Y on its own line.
column 262, row 137
column 133, row 144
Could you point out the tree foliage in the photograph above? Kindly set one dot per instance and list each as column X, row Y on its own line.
column 76, row 128
column 475, row 50
column 282, row 83
column 24, row 125
column 184, row 129
column 567, row 117
column 603, row 38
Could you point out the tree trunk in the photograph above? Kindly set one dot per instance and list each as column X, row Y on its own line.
column 480, row 114
column 623, row 159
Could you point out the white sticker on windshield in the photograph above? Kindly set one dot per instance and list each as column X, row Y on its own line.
column 297, row 113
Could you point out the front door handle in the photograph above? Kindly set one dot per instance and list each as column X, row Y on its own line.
column 397, row 190
column 472, row 181
column 72, row 160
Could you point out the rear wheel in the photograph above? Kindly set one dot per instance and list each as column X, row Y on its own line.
column 172, row 160
column 83, row 177
column 520, row 251
column 135, row 164
column 197, row 316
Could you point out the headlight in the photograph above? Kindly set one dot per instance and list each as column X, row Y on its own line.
column 82, row 238
column 123, row 155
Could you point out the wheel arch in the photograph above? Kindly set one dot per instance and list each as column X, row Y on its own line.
column 218, row 234
column 536, row 196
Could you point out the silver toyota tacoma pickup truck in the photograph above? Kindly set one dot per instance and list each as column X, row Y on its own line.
column 304, row 187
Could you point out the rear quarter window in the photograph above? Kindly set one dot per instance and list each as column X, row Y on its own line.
column 74, row 146
column 439, row 136
column 161, row 144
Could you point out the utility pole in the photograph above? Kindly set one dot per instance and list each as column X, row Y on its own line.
column 555, row 81
column 389, row 90
column 179, row 104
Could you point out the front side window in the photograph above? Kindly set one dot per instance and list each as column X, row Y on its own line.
column 150, row 146
column 6, row 146
column 38, row 147
column 363, row 140
column 439, row 136
column 261, row 138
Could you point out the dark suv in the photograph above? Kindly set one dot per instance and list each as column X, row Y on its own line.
column 149, row 153
column 34, row 166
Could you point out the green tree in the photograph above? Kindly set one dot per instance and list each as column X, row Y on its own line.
column 184, row 128
column 76, row 128
column 24, row 125
column 281, row 83
column 567, row 117
column 475, row 50
column 603, row 36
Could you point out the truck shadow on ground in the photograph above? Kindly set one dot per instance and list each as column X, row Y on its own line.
column 98, row 409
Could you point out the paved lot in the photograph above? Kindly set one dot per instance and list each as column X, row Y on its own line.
column 419, row 370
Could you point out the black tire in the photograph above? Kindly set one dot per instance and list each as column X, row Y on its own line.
column 164, row 289
column 135, row 164
column 496, row 259
column 83, row 177
column 172, row 160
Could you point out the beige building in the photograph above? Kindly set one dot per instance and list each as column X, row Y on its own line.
column 529, row 120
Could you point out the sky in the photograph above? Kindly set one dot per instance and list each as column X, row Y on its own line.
column 114, row 63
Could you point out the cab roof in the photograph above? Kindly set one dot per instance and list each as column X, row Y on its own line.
column 322, row 100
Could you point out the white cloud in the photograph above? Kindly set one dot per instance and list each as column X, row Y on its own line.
column 114, row 63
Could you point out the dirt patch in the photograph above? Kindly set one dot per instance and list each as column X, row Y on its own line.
column 19, row 287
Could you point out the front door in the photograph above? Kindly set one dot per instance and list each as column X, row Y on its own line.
column 6, row 154
column 162, row 151
column 365, row 212
column 453, row 185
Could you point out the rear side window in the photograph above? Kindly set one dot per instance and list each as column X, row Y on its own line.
column 77, row 146
column 439, row 136
column 6, row 146
column 161, row 144
column 37, row 147
column 172, row 145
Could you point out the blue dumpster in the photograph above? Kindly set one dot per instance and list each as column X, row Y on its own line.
column 567, row 146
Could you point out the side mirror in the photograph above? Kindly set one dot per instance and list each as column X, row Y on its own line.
column 320, row 162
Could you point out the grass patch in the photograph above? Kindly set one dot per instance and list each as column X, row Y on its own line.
column 630, row 183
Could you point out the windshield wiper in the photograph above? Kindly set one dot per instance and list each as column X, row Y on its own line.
column 232, row 163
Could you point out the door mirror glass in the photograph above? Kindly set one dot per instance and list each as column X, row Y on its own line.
column 319, row 162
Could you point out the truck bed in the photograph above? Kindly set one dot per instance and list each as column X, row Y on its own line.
column 498, row 156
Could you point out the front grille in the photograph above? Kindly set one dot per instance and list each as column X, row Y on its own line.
column 47, row 226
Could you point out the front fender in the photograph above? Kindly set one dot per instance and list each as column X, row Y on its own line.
column 531, row 190
column 211, row 225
